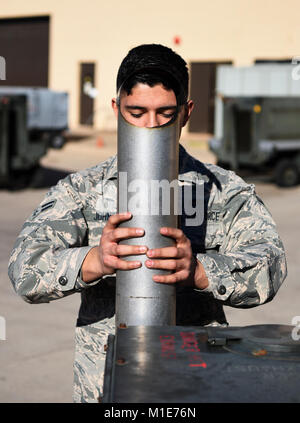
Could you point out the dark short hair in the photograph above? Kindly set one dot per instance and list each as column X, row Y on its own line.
column 152, row 64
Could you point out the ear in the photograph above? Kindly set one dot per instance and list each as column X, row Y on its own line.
column 188, row 108
column 114, row 106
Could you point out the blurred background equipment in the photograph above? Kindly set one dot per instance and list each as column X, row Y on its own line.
column 47, row 113
column 31, row 121
column 257, row 121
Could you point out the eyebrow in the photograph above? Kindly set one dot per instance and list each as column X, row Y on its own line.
column 136, row 107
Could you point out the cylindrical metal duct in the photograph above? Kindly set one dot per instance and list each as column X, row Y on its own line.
column 147, row 157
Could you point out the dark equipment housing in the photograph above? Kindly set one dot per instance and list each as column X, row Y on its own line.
column 261, row 134
column 19, row 155
column 192, row 364
column 32, row 120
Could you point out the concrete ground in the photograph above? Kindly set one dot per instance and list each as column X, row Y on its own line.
column 37, row 356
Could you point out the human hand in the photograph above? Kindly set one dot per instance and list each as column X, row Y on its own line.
column 105, row 259
column 186, row 269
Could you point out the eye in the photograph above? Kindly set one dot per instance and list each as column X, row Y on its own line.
column 136, row 115
column 168, row 115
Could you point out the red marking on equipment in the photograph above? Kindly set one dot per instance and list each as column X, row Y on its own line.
column 190, row 343
column 204, row 365
column 167, row 346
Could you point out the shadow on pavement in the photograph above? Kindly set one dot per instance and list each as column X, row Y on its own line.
column 45, row 177
column 39, row 177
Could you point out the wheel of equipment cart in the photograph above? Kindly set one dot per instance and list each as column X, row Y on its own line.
column 37, row 177
column 57, row 141
column 286, row 173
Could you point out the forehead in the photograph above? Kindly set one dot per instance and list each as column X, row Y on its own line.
column 151, row 97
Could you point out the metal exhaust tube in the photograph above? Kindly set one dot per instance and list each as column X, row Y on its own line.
column 146, row 158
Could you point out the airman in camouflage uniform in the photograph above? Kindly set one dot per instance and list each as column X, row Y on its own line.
column 237, row 245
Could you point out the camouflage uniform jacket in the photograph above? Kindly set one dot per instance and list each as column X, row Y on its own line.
column 237, row 244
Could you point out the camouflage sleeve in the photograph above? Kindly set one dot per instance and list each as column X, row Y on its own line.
column 46, row 259
column 250, row 265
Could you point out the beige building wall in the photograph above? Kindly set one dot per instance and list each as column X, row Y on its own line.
column 103, row 31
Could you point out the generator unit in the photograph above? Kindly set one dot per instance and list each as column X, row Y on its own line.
column 257, row 121
column 47, row 113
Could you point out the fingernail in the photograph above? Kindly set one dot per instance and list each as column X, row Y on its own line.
column 149, row 263
column 140, row 231
column 143, row 249
column 150, row 253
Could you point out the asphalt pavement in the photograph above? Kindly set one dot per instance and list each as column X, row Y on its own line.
column 37, row 355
